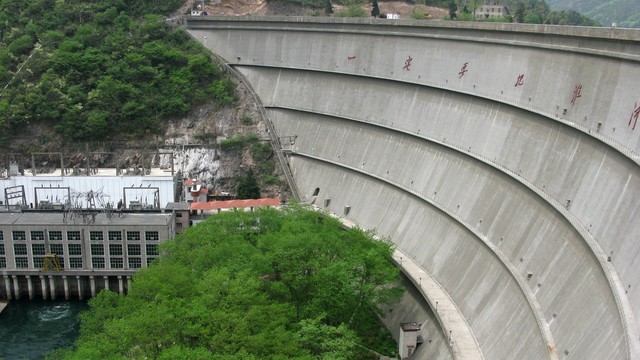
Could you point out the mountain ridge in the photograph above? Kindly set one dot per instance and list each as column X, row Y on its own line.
column 621, row 13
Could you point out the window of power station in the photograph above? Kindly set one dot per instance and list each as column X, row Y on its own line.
column 151, row 236
column 135, row 262
column 96, row 236
column 57, row 249
column 115, row 236
column 115, row 249
column 1, row 236
column 75, row 249
column 73, row 235
column 55, row 235
column 22, row 262
column 150, row 259
column 152, row 249
column 75, row 262
column 116, row 263
column 133, row 235
column 2, row 249
column 19, row 235
column 3, row 262
column 97, row 262
column 37, row 249
column 97, row 249
column 38, row 262
column 37, row 236
column 20, row 249
column 133, row 249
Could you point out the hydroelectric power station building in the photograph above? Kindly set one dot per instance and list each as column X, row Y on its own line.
column 72, row 236
column 49, row 254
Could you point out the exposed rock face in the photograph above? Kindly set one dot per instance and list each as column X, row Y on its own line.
column 237, row 7
column 194, row 141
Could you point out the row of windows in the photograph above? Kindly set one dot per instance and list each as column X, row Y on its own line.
column 19, row 235
column 38, row 249
column 22, row 262
column 118, row 262
column 76, row 249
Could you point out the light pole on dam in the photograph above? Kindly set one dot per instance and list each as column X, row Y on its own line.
column 501, row 159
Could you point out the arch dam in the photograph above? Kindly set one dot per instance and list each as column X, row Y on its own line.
column 502, row 160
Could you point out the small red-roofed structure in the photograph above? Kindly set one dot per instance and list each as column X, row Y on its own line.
column 233, row 204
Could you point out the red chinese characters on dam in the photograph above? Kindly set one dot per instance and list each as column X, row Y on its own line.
column 519, row 80
column 634, row 115
column 577, row 92
column 463, row 70
column 407, row 63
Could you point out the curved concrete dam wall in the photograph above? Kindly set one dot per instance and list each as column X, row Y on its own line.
column 502, row 160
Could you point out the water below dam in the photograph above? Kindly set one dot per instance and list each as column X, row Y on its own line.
column 31, row 329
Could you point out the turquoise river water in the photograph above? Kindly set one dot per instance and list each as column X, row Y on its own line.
column 31, row 329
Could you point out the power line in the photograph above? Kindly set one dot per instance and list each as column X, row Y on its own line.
column 37, row 47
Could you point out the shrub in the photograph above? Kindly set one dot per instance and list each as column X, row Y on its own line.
column 271, row 180
column 232, row 143
column 246, row 120
column 353, row 11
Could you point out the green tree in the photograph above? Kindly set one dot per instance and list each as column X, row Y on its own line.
column 520, row 12
column 453, row 7
column 248, row 186
column 328, row 7
column 375, row 10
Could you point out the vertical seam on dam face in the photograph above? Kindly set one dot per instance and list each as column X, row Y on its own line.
column 543, row 326
column 598, row 49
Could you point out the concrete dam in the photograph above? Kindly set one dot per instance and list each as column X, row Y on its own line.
column 502, row 161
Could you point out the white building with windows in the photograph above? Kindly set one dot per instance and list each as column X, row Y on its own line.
column 492, row 9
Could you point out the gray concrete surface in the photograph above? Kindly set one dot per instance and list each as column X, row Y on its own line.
column 502, row 159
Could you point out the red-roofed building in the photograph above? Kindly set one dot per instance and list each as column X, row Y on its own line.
column 233, row 204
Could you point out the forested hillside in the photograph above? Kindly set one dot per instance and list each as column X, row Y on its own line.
column 101, row 69
column 266, row 284
column 112, row 70
column 625, row 13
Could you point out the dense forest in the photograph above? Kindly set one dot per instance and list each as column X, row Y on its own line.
column 268, row 284
column 99, row 69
